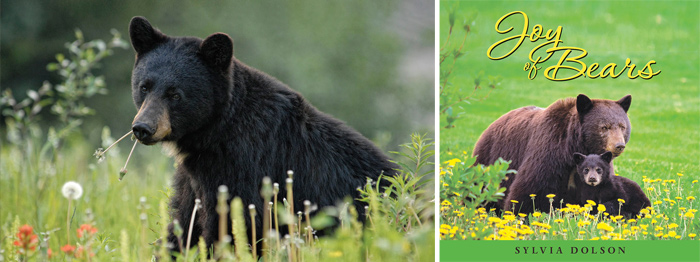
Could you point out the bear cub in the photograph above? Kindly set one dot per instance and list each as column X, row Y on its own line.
column 594, row 180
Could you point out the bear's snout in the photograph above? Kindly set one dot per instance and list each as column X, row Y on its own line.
column 142, row 131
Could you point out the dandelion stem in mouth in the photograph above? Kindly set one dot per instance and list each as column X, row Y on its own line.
column 123, row 171
column 100, row 153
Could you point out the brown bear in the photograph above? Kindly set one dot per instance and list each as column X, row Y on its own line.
column 541, row 142
column 595, row 180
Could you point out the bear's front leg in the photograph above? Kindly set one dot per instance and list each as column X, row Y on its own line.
column 181, row 205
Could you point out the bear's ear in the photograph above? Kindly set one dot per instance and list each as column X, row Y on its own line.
column 578, row 158
column 607, row 156
column 583, row 104
column 625, row 102
column 217, row 51
column 143, row 36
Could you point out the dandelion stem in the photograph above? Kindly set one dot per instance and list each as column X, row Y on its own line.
column 189, row 230
column 123, row 171
column 115, row 142
column 70, row 201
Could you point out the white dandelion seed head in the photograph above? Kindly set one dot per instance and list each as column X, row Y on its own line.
column 251, row 207
column 72, row 190
column 290, row 172
column 223, row 189
column 289, row 180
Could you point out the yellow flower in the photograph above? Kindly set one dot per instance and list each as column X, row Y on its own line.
column 551, row 195
column 679, row 174
column 582, row 232
column 672, row 225
column 621, row 200
column 533, row 195
column 543, row 231
column 692, row 235
column 522, row 215
column 601, row 208
column 689, row 214
column 514, row 201
column 536, row 214
column 604, row 226
column 335, row 254
column 453, row 162
column 672, row 233
column 559, row 220
column 690, row 198
column 591, row 202
column 695, row 181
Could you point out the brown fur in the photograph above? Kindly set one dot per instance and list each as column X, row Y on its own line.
column 540, row 142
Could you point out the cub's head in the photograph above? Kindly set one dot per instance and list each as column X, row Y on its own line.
column 179, row 84
column 593, row 169
column 604, row 124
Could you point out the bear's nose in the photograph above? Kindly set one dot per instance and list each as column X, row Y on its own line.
column 592, row 180
column 620, row 147
column 142, row 131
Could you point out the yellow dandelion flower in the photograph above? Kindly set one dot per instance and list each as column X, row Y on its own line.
column 679, row 198
column 591, row 202
column 604, row 226
column 695, row 181
column 672, row 225
column 522, row 215
column 514, row 201
column 494, row 220
column 689, row 214
column 672, row 233
column 595, row 238
column 692, row 235
column 559, row 220
column 536, row 214
column 582, row 232
column 621, row 200
column 446, row 203
column 335, row 254
column 453, row 161
column 533, row 195
column 679, row 174
column 601, row 208
column 690, row 198
column 543, row 231
column 551, row 195
column 631, row 220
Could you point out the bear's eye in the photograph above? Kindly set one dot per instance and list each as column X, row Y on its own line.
column 144, row 89
column 605, row 128
column 585, row 170
column 598, row 170
column 175, row 97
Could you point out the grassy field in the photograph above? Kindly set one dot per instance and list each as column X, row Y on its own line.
column 665, row 110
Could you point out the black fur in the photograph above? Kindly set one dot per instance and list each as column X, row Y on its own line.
column 609, row 189
column 233, row 125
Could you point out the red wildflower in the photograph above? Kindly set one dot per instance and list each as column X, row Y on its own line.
column 68, row 249
column 26, row 239
column 80, row 253
column 49, row 253
column 86, row 228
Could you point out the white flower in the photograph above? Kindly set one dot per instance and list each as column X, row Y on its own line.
column 72, row 190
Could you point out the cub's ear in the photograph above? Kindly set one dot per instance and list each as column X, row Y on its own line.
column 217, row 51
column 583, row 104
column 143, row 36
column 625, row 102
column 578, row 158
column 607, row 156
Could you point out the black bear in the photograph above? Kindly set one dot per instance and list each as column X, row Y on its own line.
column 230, row 124
column 541, row 142
column 595, row 180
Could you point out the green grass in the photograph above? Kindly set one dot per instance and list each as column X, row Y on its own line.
column 665, row 110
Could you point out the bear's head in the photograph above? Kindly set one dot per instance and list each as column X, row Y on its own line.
column 179, row 84
column 604, row 124
column 593, row 169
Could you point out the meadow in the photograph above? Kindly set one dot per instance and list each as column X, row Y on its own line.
column 664, row 148
column 61, row 203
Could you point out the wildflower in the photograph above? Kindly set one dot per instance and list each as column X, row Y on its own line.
column 453, row 162
column 692, row 235
column 601, row 208
column 559, row 220
column 26, row 239
column 514, row 201
column 672, row 225
column 68, row 249
column 543, row 231
column 86, row 228
column 522, row 215
column 72, row 190
column 533, row 195
column 690, row 198
column 621, row 200
column 551, row 195
column 446, row 203
column 689, row 214
column 335, row 254
column 679, row 174
column 604, row 226
column 694, row 181
column 672, row 233
column 536, row 214
column 591, row 202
